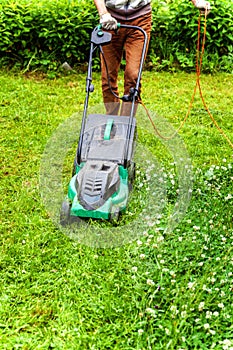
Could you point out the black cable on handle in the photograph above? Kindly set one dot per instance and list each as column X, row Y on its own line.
column 136, row 89
column 89, row 88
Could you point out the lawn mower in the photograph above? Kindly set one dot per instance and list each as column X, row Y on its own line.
column 104, row 168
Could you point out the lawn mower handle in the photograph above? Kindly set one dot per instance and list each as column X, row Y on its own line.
column 98, row 40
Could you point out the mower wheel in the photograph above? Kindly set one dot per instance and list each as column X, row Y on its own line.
column 114, row 216
column 65, row 213
column 132, row 174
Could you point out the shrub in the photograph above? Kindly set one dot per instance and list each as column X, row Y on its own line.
column 175, row 30
column 45, row 34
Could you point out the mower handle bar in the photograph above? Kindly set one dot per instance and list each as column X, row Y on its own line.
column 119, row 25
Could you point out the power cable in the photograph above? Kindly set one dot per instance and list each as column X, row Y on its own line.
column 199, row 59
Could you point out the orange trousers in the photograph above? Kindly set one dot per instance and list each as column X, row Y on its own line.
column 131, row 42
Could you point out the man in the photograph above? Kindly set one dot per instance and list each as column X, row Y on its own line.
column 131, row 12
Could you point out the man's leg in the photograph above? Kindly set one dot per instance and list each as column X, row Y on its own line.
column 113, row 55
column 133, row 48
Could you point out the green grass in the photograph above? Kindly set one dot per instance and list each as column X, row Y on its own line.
column 165, row 290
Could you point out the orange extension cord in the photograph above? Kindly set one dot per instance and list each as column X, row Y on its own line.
column 199, row 58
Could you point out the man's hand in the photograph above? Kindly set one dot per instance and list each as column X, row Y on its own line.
column 202, row 5
column 108, row 22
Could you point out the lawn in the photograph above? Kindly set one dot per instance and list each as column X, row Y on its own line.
column 163, row 278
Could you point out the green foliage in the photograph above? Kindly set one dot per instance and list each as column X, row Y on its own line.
column 175, row 31
column 45, row 34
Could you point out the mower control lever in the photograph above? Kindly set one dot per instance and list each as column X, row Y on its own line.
column 91, row 88
column 130, row 96
column 100, row 37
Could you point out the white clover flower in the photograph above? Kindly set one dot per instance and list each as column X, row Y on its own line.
column 150, row 282
column 173, row 308
column 165, row 269
column 139, row 242
column 204, row 287
column 229, row 196
column 142, row 256
column 151, row 224
column 201, row 306
column 140, row 331
column 160, row 239
column 221, row 305
column 206, row 325
column 208, row 314
column 151, row 311
column 134, row 269
column 216, row 313
column 172, row 273
column 191, row 285
column 167, row 331
column 226, row 344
